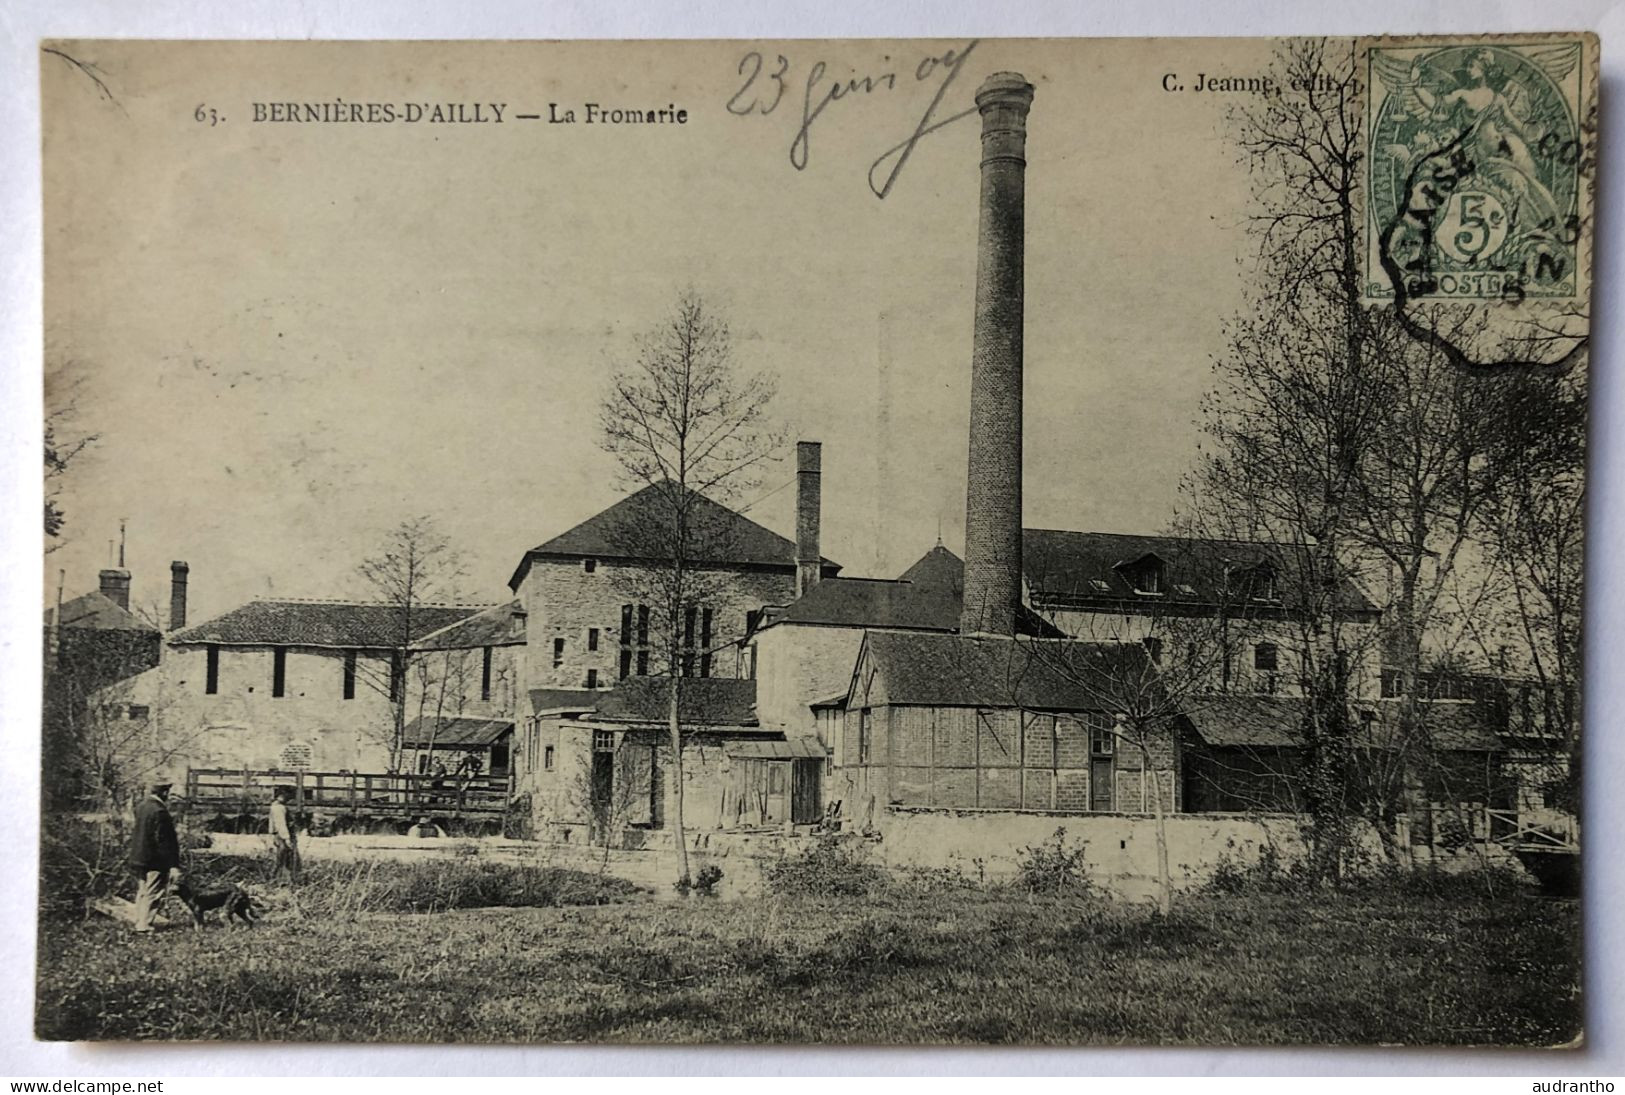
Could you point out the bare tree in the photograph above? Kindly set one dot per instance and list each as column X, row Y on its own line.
column 415, row 566
column 687, row 425
column 63, row 443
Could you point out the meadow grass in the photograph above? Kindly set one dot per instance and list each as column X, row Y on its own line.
column 903, row 963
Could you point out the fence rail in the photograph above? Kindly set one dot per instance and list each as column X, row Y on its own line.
column 383, row 794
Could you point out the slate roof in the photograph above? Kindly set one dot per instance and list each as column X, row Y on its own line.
column 940, row 569
column 870, row 602
column 490, row 627
column 987, row 671
column 98, row 612
column 455, row 733
column 564, row 699
column 338, row 624
column 1276, row 722
column 793, row 749
column 1064, row 566
column 712, row 701
column 630, row 530
column 708, row 701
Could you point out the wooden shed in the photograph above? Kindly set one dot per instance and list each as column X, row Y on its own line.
column 774, row 782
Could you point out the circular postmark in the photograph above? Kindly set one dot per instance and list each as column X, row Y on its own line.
column 1474, row 171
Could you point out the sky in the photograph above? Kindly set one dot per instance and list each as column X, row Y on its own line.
column 289, row 338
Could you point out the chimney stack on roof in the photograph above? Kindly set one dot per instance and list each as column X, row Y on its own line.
column 177, row 594
column 116, row 586
column 993, row 488
column 809, row 502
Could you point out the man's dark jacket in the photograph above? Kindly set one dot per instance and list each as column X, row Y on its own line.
column 153, row 846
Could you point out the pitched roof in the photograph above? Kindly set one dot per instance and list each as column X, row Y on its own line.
column 454, row 733
column 987, row 671
column 707, row 701
column 714, row 701
column 489, row 627
column 564, row 699
column 1277, row 722
column 98, row 612
column 631, row 529
column 870, row 602
column 1069, row 566
column 339, row 624
column 793, row 749
column 938, row 568
column 1256, row 721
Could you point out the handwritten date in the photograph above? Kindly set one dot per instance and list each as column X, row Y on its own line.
column 766, row 83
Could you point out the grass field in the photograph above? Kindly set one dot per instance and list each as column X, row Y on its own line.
column 908, row 965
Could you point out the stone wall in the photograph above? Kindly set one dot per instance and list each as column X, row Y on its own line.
column 243, row 725
column 797, row 665
column 1120, row 851
column 566, row 602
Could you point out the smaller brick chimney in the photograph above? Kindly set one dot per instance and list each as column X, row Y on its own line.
column 809, row 501
column 116, row 586
column 177, row 594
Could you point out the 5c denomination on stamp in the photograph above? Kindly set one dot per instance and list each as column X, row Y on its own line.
column 1478, row 169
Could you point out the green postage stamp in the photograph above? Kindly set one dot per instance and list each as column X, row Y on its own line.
column 1480, row 158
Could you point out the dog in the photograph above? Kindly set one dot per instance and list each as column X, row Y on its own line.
column 233, row 902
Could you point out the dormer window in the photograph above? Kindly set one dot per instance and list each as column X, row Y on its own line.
column 1255, row 583
column 1145, row 575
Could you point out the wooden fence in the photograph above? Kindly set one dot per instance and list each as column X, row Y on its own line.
column 373, row 794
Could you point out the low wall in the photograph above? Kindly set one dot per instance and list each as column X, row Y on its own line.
column 1120, row 850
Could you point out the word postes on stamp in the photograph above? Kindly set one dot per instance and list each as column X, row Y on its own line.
column 1477, row 171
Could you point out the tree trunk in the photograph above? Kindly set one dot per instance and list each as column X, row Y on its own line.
column 676, row 796
column 1165, row 884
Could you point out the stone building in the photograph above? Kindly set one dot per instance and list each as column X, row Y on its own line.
column 593, row 764
column 593, row 594
column 315, row 685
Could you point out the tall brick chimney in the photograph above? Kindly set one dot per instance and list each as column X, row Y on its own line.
column 993, row 489
column 809, row 501
column 177, row 594
column 116, row 586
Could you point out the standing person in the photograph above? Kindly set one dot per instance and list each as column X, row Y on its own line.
column 155, row 854
column 284, row 842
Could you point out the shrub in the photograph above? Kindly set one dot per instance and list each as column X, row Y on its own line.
column 351, row 889
column 832, row 867
column 704, row 884
column 1055, row 866
column 80, row 861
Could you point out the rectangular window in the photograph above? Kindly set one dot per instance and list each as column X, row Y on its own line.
column 139, row 712
column 397, row 676
column 589, row 565
column 279, row 671
column 211, row 680
column 690, row 615
column 603, row 741
column 592, row 638
column 592, row 678
column 705, row 642
column 558, row 652
column 863, row 736
column 547, row 758
column 1102, row 741
column 485, row 674
column 643, row 625
column 643, row 663
column 349, row 674
column 1265, row 657
column 626, row 662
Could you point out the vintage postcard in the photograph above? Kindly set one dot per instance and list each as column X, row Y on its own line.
column 903, row 542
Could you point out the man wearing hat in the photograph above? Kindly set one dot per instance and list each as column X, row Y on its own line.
column 155, row 853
